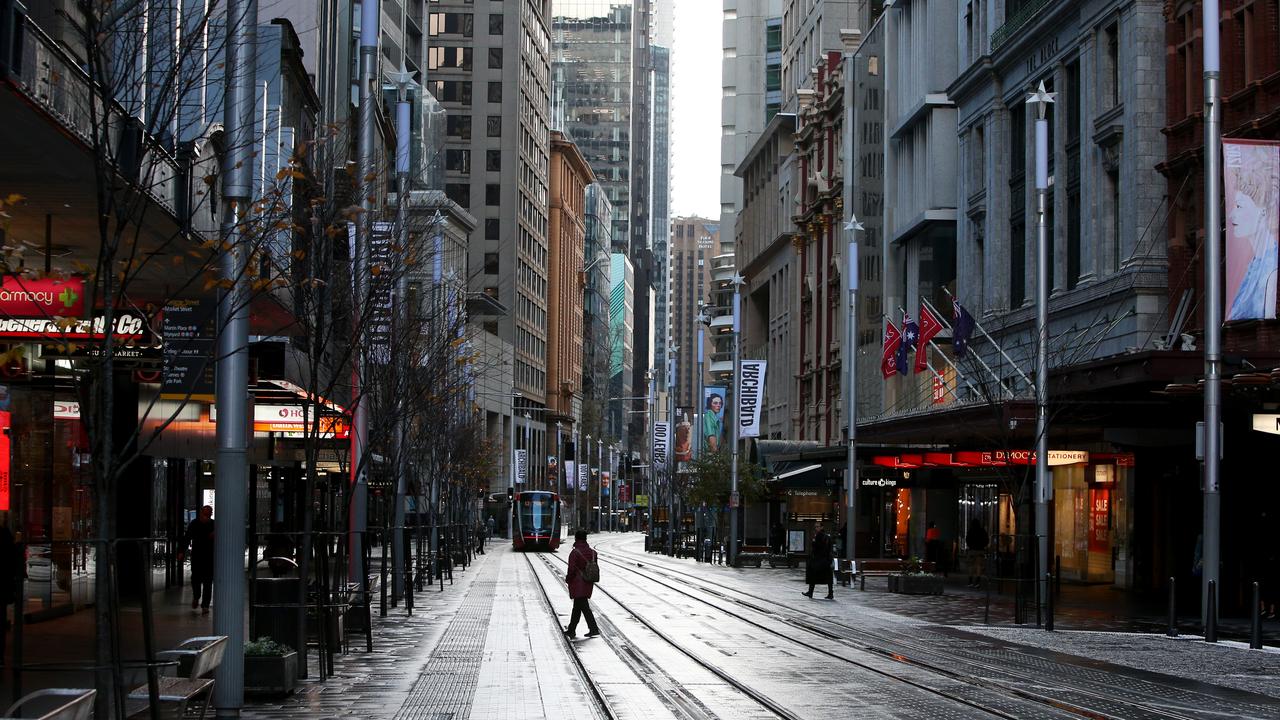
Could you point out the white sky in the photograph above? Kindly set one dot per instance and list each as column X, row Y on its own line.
column 695, row 109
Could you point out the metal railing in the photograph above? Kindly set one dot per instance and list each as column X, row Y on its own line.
column 1006, row 31
column 53, row 80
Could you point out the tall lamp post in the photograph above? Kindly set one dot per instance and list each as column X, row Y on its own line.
column 734, row 500
column 586, row 455
column 1210, row 547
column 1044, row 486
column 511, row 460
column 850, row 354
column 404, row 85
column 671, row 433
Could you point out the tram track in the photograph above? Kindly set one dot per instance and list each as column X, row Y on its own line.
column 1018, row 685
column 760, row 698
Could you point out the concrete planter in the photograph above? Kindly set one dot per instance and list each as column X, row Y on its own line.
column 916, row 584
column 271, row 674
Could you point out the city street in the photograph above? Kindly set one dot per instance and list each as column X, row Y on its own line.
column 685, row 640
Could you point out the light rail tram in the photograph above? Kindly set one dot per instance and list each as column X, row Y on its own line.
column 537, row 516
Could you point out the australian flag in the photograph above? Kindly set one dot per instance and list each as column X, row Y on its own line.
column 910, row 335
column 964, row 325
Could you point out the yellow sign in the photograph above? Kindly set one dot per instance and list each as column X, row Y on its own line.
column 642, row 501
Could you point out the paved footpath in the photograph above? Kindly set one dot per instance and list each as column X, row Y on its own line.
column 487, row 648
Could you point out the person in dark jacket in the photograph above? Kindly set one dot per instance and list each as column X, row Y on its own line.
column 817, row 571
column 11, row 568
column 199, row 541
column 579, row 588
column 976, row 540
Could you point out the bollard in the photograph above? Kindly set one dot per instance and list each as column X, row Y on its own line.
column 1173, row 607
column 1211, row 616
column 1255, row 632
column 1048, row 604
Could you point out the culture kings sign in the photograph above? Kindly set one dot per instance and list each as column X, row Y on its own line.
column 41, row 297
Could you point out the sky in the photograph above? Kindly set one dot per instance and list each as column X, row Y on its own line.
column 695, row 106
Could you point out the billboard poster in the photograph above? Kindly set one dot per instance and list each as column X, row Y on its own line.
column 750, row 397
column 661, row 443
column 713, row 418
column 684, row 434
column 1251, row 185
column 583, row 470
column 522, row 466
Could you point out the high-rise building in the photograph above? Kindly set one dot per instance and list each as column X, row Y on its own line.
column 570, row 177
column 491, row 71
column 597, row 348
column 694, row 242
column 661, row 231
column 622, row 330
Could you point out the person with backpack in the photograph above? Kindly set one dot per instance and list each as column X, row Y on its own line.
column 584, row 573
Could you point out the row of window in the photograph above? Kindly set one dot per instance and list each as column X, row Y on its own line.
column 452, row 57
column 459, row 23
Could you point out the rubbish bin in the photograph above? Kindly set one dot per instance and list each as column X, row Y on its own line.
column 270, row 618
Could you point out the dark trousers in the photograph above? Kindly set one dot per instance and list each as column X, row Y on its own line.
column 582, row 608
column 199, row 584
column 831, row 586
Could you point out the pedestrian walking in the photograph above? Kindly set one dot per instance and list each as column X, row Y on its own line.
column 976, row 540
column 584, row 573
column 199, row 541
column 10, row 566
column 490, row 526
column 480, row 538
column 817, row 571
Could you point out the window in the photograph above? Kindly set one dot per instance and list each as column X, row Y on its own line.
column 491, row 227
column 493, row 160
column 495, row 24
column 491, row 262
column 459, row 193
column 495, row 92
column 457, row 160
column 458, row 126
column 452, row 24
column 449, row 58
column 494, row 126
column 458, row 91
column 495, row 58
column 493, row 194
column 1111, row 66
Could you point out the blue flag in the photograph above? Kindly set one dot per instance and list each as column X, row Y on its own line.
column 964, row 325
column 910, row 335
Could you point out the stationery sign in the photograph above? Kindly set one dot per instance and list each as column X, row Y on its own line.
column 750, row 397
column 661, row 441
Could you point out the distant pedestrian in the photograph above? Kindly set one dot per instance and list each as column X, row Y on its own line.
column 933, row 544
column 199, row 541
column 580, row 585
column 480, row 538
column 490, row 525
column 817, row 571
column 976, row 540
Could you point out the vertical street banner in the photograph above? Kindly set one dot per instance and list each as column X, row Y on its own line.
column 583, row 470
column 1251, row 195
column 606, row 478
column 751, row 397
column 569, row 475
column 713, row 418
column 684, row 434
column 522, row 466
column 661, row 443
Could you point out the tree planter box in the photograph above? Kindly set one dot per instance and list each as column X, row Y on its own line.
column 271, row 674
column 916, row 584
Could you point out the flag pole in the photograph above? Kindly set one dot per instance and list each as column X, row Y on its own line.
column 938, row 316
column 986, row 335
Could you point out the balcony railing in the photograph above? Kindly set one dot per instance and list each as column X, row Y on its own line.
column 54, row 81
column 1011, row 26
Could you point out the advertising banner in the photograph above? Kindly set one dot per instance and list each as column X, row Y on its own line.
column 684, row 434
column 570, row 472
column 661, row 444
column 522, row 466
column 41, row 297
column 582, row 477
column 713, row 418
column 1251, row 194
column 751, row 397
column 606, row 478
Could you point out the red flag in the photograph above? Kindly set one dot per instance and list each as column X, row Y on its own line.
column 892, row 338
column 929, row 326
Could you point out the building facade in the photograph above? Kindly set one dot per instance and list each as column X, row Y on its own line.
column 570, row 177
column 622, row 318
column 694, row 242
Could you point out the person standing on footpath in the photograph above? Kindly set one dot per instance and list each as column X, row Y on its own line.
column 199, row 541
column 976, row 540
column 817, row 571
column 581, row 584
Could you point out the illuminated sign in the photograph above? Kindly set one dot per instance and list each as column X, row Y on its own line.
column 126, row 327
column 4, row 459
column 41, row 298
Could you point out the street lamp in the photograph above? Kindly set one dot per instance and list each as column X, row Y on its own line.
column 671, row 431
column 733, row 437
column 1044, row 488
column 511, row 461
column 1212, row 316
column 851, row 394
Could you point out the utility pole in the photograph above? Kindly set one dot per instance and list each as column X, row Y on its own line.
column 671, row 456
column 400, row 435
column 1210, row 548
column 850, row 353
column 232, row 372
column 734, row 500
column 1044, row 483
column 511, row 458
